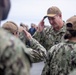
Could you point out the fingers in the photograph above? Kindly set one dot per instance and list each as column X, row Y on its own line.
column 28, row 35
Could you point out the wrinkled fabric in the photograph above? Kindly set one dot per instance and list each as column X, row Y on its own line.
column 36, row 51
column 14, row 58
column 73, row 72
column 23, row 38
column 61, row 59
column 48, row 37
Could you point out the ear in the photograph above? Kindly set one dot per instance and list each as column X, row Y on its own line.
column 2, row 3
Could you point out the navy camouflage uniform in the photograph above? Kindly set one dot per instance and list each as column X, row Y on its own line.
column 61, row 59
column 36, row 51
column 48, row 37
column 14, row 58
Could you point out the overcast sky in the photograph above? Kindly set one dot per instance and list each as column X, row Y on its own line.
column 32, row 11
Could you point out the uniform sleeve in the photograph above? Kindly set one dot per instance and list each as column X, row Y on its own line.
column 39, row 36
column 21, row 36
column 13, row 61
column 46, row 68
column 38, row 52
column 43, row 37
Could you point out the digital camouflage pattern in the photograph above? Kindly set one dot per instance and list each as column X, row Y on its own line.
column 48, row 37
column 14, row 58
column 73, row 73
column 36, row 51
column 61, row 59
column 23, row 38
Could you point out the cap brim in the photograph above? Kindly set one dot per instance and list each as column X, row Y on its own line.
column 50, row 15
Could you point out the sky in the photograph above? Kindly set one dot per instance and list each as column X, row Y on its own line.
column 32, row 11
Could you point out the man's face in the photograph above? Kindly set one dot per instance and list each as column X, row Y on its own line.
column 55, row 21
column 6, row 8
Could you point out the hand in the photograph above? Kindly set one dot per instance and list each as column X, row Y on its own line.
column 21, row 29
column 41, row 26
column 28, row 35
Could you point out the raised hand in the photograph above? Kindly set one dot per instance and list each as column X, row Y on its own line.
column 41, row 25
column 28, row 35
